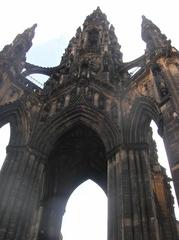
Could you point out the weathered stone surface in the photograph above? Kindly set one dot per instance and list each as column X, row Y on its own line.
column 91, row 120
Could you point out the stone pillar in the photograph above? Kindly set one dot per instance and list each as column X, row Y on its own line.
column 171, row 140
column 20, row 186
column 114, row 192
column 131, row 208
column 170, row 113
column 53, row 211
column 164, row 201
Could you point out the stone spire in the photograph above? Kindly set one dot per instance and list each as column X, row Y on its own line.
column 153, row 37
column 97, row 18
column 16, row 51
column 93, row 54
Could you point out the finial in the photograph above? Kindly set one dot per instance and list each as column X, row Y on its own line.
column 97, row 17
column 153, row 37
column 78, row 32
column 17, row 50
column 144, row 19
column 112, row 29
column 29, row 32
column 146, row 23
column 33, row 26
column 98, row 9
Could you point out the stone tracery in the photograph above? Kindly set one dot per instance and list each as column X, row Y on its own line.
column 90, row 105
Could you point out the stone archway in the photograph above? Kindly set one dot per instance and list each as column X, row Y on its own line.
column 78, row 155
column 90, row 94
column 144, row 110
column 86, row 213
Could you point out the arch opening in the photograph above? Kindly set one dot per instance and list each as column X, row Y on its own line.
column 38, row 79
column 86, row 213
column 143, row 112
column 4, row 140
column 107, row 130
column 163, row 160
column 77, row 155
column 93, row 39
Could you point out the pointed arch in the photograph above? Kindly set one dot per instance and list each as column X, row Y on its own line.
column 107, row 130
column 74, row 185
column 15, row 114
column 77, row 155
column 143, row 111
column 80, row 153
column 86, row 209
column 4, row 141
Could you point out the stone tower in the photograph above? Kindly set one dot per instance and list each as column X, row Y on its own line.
column 90, row 120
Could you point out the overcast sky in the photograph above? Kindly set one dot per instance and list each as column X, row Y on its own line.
column 57, row 23
column 59, row 20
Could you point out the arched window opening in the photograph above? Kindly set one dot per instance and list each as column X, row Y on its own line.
column 93, row 39
column 86, row 214
column 38, row 79
column 163, row 160
column 134, row 70
column 4, row 140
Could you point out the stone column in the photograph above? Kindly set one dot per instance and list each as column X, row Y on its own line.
column 20, row 184
column 53, row 211
column 115, row 202
column 170, row 114
column 171, row 140
column 131, row 209
column 164, row 199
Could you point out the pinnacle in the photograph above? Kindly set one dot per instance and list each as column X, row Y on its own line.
column 34, row 25
column 112, row 27
column 29, row 32
column 151, row 34
column 98, row 12
column 98, row 9
column 145, row 20
column 97, row 17
column 148, row 23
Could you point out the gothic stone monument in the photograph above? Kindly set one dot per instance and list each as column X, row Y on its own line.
column 91, row 120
